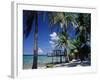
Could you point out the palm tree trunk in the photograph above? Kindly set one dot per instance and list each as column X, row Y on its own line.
column 66, row 56
column 35, row 57
column 60, row 58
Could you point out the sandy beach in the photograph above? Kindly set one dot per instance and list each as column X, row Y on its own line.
column 70, row 64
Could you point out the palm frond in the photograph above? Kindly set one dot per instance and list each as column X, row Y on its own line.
column 30, row 17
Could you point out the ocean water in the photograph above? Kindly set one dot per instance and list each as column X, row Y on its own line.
column 42, row 60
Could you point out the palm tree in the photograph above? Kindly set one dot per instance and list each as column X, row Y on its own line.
column 32, row 16
column 84, row 31
column 64, row 43
column 64, row 19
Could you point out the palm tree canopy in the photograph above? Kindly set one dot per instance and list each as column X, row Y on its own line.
column 84, row 21
column 61, row 18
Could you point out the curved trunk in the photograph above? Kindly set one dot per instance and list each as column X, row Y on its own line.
column 35, row 55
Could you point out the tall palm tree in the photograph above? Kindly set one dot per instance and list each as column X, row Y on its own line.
column 64, row 19
column 32, row 16
column 84, row 31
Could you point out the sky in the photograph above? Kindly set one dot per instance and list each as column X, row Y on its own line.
column 45, row 36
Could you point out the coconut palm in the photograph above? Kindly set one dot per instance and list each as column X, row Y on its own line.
column 64, row 43
column 63, row 19
column 32, row 16
column 83, row 30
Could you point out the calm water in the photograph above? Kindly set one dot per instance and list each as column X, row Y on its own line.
column 42, row 60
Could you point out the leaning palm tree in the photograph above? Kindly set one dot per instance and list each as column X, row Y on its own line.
column 63, row 19
column 64, row 43
column 32, row 16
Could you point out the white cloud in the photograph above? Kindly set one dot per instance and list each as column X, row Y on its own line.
column 54, row 36
column 40, row 51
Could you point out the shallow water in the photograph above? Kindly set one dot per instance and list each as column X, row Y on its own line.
column 42, row 60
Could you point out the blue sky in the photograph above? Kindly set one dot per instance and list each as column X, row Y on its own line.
column 43, row 36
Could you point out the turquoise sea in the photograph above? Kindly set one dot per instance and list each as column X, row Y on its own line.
column 42, row 60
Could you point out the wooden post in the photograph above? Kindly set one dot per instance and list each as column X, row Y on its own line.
column 52, row 58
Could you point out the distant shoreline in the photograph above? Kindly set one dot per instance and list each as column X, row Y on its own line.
column 33, row 55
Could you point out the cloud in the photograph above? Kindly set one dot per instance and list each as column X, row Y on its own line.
column 54, row 36
column 40, row 51
column 52, row 44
